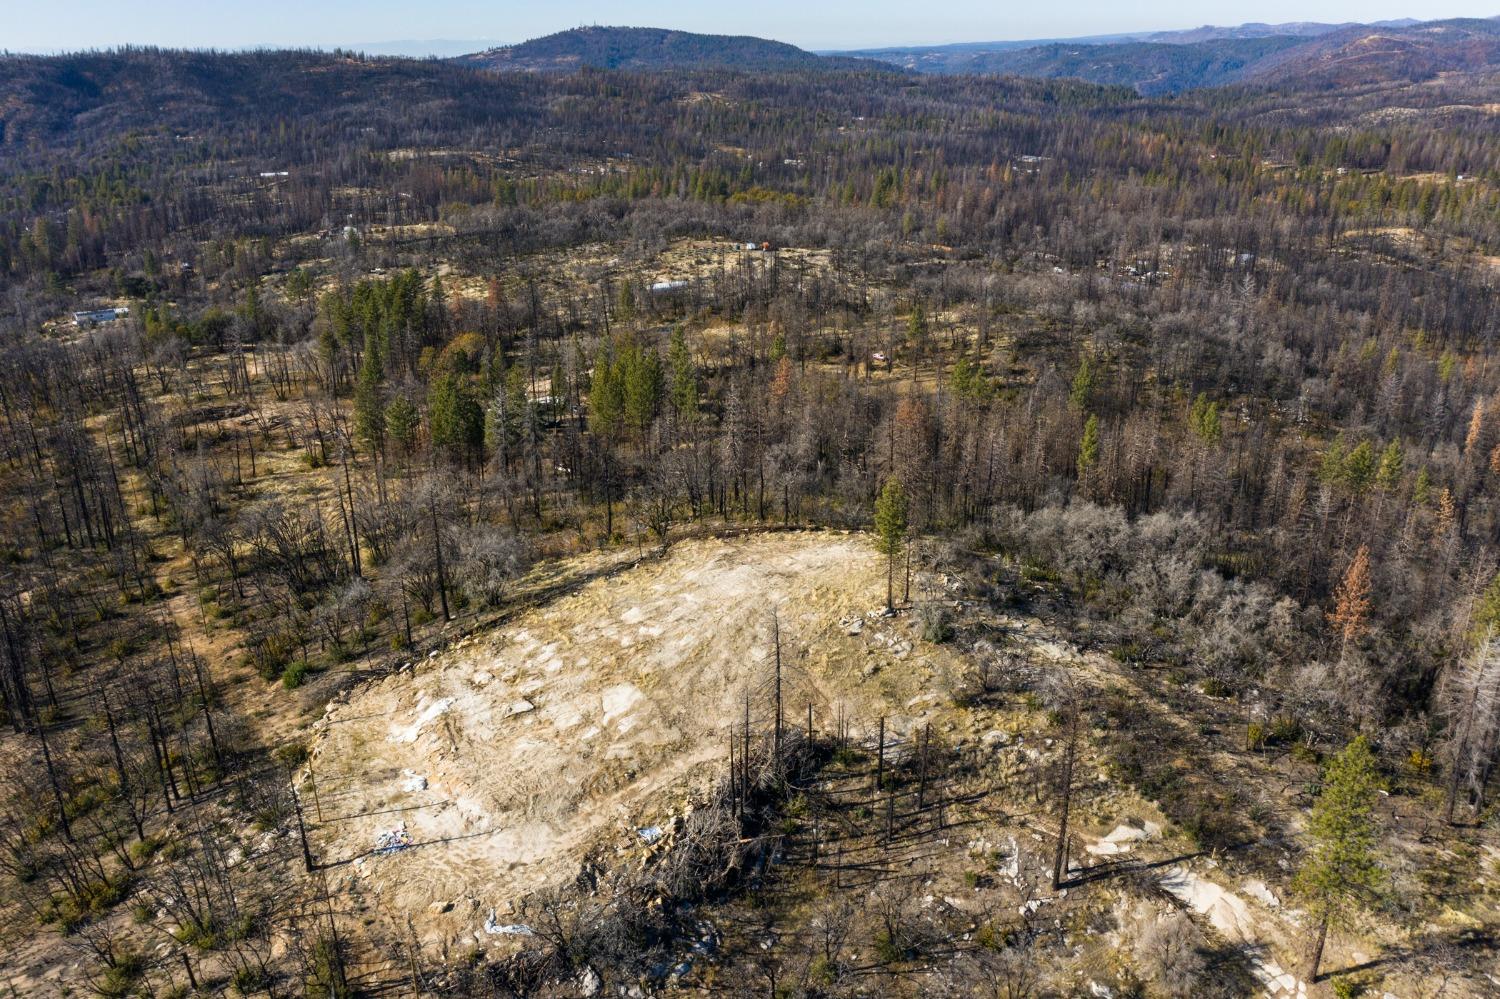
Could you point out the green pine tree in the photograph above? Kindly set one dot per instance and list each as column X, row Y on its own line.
column 401, row 422
column 916, row 324
column 890, row 529
column 1487, row 612
column 454, row 417
column 645, row 384
column 1359, row 467
column 1421, row 493
column 369, row 412
column 606, row 395
column 1332, row 470
column 683, row 376
column 1204, row 419
column 1082, row 390
column 1088, row 448
column 969, row 382
column 1341, row 873
column 1392, row 465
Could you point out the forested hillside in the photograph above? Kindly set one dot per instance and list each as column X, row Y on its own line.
column 1168, row 430
column 653, row 49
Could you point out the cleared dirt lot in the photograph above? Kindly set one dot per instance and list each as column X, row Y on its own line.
column 509, row 759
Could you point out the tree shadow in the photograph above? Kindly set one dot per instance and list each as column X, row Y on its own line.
column 1468, row 942
column 372, row 852
column 1133, row 866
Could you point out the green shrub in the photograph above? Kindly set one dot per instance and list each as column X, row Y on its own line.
column 888, row 949
column 120, row 977
column 294, row 674
column 248, row 980
column 936, row 625
column 292, row 754
column 1214, row 687
column 325, row 979
column 1283, row 731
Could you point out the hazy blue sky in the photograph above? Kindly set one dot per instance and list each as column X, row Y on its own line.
column 37, row 25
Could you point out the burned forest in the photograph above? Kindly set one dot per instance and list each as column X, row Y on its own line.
column 815, row 530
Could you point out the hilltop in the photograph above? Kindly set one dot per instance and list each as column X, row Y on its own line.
column 653, row 49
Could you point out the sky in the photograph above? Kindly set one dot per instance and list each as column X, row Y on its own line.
column 53, row 25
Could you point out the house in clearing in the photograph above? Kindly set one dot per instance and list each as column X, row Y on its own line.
column 94, row 317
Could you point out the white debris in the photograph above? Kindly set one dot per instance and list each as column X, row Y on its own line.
column 506, row 929
column 413, row 782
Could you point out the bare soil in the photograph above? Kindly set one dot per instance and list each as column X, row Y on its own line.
column 567, row 731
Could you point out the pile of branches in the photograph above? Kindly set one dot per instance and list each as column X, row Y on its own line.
column 620, row 926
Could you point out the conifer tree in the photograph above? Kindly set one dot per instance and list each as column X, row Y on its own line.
column 683, row 376
column 401, row 422
column 606, row 395
column 1421, row 492
column 1088, row 447
column 1341, row 872
column 455, row 418
column 890, row 526
column 916, row 325
column 1475, row 436
column 504, row 419
column 1331, row 472
column 1082, row 389
column 369, row 413
column 1204, row 419
column 1351, row 601
column 1471, row 702
column 644, row 384
column 1392, row 464
column 1359, row 467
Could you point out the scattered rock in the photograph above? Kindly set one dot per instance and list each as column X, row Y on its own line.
column 1258, row 890
column 413, row 782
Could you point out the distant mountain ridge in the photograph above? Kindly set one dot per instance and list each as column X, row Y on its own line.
column 655, row 49
column 934, row 54
column 1148, row 67
column 1297, row 54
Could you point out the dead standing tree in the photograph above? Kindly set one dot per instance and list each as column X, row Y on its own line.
column 1064, row 785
